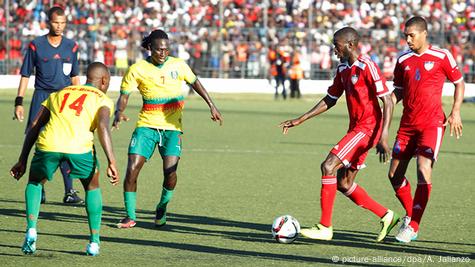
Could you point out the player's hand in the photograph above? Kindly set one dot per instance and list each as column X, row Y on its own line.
column 113, row 174
column 18, row 113
column 216, row 115
column 18, row 170
column 383, row 150
column 455, row 122
column 289, row 124
column 118, row 118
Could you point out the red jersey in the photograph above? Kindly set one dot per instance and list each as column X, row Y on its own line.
column 362, row 83
column 421, row 78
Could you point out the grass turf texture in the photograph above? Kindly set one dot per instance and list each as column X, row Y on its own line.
column 233, row 181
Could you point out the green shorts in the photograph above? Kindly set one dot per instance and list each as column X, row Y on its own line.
column 44, row 164
column 144, row 140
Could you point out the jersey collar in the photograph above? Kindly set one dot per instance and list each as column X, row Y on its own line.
column 149, row 59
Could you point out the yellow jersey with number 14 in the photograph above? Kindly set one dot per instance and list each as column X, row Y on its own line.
column 161, row 90
column 73, row 119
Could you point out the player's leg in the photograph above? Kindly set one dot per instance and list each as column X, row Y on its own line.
column 170, row 149
column 70, row 195
column 86, row 168
column 324, row 230
column 43, row 165
column 141, row 148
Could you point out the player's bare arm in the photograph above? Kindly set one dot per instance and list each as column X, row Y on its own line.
column 19, row 112
column 455, row 119
column 106, row 143
column 323, row 105
column 382, row 148
column 119, row 115
column 32, row 133
column 215, row 114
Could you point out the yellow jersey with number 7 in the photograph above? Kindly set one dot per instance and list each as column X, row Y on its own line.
column 161, row 90
column 73, row 119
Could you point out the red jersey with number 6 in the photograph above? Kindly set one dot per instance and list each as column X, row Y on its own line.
column 362, row 83
column 421, row 78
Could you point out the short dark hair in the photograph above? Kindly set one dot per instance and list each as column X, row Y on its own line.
column 55, row 10
column 155, row 34
column 418, row 21
column 348, row 34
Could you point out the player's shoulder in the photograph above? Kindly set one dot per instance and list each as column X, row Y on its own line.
column 441, row 53
column 405, row 55
column 175, row 60
column 70, row 44
column 365, row 60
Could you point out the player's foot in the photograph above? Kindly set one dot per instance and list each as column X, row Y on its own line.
column 43, row 196
column 92, row 249
column 388, row 221
column 319, row 232
column 29, row 245
column 160, row 217
column 126, row 223
column 405, row 222
column 72, row 197
column 406, row 235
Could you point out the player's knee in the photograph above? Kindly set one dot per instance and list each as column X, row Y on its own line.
column 344, row 185
column 424, row 172
column 327, row 167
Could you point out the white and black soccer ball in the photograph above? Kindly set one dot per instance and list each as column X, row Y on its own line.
column 285, row 229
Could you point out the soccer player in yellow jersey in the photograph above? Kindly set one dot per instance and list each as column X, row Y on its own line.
column 159, row 79
column 64, row 131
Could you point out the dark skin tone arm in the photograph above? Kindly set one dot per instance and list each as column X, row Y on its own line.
column 40, row 120
column 323, row 105
column 199, row 89
column 382, row 148
column 106, row 143
column 119, row 113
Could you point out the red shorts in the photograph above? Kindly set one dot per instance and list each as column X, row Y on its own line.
column 411, row 142
column 353, row 149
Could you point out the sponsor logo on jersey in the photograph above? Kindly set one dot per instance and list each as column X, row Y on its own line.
column 428, row 65
column 354, row 78
column 336, row 147
column 418, row 75
column 407, row 68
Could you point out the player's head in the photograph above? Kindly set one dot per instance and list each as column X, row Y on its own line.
column 158, row 44
column 415, row 31
column 346, row 42
column 98, row 75
column 56, row 21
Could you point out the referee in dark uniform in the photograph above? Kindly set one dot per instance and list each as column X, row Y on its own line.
column 55, row 61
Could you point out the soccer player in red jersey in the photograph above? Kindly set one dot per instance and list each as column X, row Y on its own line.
column 419, row 76
column 363, row 84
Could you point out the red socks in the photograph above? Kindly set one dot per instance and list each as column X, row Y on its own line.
column 421, row 197
column 358, row 195
column 327, row 199
column 403, row 193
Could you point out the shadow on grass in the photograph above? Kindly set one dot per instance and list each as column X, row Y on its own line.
column 39, row 253
column 242, row 231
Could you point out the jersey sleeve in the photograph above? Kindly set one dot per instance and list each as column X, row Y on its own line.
column 398, row 77
column 187, row 74
column 74, row 61
column 107, row 102
column 376, row 79
column 336, row 89
column 129, row 81
column 29, row 61
column 450, row 68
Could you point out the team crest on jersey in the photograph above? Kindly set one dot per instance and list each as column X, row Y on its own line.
column 354, row 78
column 174, row 74
column 428, row 65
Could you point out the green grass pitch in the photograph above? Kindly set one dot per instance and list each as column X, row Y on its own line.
column 232, row 182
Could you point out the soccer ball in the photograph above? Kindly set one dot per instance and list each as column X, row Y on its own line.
column 285, row 229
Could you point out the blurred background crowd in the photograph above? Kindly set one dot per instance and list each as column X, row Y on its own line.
column 238, row 38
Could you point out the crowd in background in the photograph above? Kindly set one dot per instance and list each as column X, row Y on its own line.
column 233, row 38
